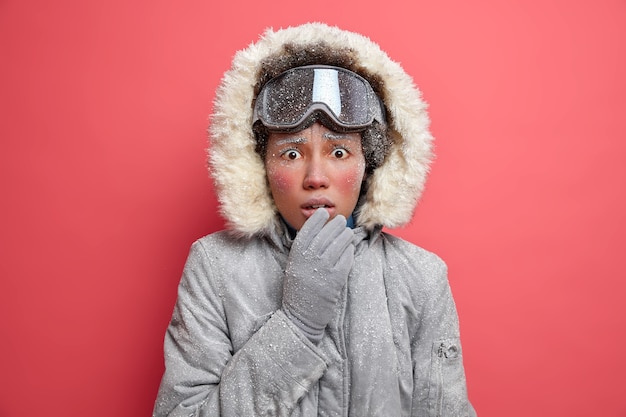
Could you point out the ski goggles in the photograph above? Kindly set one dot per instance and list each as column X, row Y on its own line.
column 345, row 99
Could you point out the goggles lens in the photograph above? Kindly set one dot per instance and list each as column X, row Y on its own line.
column 286, row 101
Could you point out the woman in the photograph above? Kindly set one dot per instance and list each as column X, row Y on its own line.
column 303, row 306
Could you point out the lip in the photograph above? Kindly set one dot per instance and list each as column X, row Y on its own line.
column 310, row 206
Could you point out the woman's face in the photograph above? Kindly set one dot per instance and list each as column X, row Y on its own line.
column 315, row 167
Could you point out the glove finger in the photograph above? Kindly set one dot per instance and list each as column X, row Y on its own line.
column 340, row 243
column 311, row 229
column 328, row 234
column 345, row 262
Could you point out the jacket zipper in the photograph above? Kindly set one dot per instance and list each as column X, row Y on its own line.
column 441, row 354
column 343, row 330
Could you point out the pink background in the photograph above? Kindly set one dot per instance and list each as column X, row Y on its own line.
column 103, row 188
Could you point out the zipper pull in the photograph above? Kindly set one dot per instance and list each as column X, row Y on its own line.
column 444, row 351
column 440, row 350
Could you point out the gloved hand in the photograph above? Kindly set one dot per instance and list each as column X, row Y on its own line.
column 319, row 262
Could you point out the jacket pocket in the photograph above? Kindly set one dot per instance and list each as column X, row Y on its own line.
column 447, row 392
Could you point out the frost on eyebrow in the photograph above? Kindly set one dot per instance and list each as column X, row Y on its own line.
column 290, row 140
column 340, row 136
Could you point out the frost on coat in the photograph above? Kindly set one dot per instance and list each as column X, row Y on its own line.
column 392, row 347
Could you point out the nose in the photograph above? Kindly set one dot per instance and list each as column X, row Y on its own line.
column 315, row 176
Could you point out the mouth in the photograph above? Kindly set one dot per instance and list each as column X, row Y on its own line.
column 311, row 206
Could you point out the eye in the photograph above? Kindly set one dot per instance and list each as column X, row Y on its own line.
column 340, row 153
column 291, row 154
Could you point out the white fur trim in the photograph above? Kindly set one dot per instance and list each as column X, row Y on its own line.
column 238, row 171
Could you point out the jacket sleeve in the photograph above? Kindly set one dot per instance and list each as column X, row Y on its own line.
column 439, row 387
column 204, row 377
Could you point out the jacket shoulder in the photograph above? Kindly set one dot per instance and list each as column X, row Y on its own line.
column 411, row 269
column 240, row 261
column 226, row 243
column 413, row 254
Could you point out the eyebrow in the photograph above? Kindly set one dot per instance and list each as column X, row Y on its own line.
column 335, row 136
column 291, row 140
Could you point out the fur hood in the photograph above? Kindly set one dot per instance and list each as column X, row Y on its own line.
column 237, row 169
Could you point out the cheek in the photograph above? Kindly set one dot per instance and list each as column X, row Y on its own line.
column 280, row 180
column 351, row 178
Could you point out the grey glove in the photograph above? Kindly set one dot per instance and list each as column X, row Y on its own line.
column 317, row 270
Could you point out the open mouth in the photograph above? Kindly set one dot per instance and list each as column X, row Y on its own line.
column 312, row 205
column 316, row 206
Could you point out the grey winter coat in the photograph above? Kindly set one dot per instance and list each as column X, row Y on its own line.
column 392, row 349
column 393, row 346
